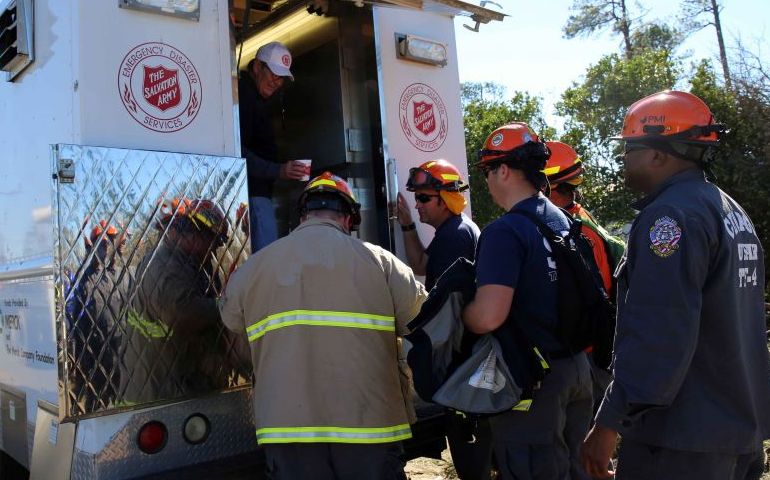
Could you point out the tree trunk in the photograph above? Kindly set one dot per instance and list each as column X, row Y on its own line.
column 625, row 28
column 721, row 41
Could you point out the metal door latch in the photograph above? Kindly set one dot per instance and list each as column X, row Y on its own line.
column 66, row 173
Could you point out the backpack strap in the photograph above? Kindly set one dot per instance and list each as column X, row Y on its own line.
column 575, row 225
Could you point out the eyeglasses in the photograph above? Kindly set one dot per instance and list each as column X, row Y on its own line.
column 485, row 169
column 634, row 147
column 423, row 197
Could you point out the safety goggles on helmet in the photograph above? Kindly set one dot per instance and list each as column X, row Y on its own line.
column 435, row 175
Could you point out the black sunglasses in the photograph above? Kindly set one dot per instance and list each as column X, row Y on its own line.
column 485, row 169
column 424, row 197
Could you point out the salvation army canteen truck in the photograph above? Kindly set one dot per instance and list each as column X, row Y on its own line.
column 123, row 192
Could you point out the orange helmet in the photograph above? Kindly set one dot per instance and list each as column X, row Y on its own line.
column 513, row 142
column 564, row 166
column 671, row 116
column 328, row 183
column 168, row 209
column 436, row 175
column 201, row 214
column 103, row 228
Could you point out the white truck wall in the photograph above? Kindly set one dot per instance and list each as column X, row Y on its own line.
column 78, row 91
column 36, row 110
column 119, row 51
column 403, row 83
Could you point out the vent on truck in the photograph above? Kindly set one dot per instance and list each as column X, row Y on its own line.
column 16, row 37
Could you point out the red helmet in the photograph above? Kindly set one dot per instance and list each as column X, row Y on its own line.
column 436, row 175
column 514, row 142
column 330, row 183
column 671, row 116
column 564, row 165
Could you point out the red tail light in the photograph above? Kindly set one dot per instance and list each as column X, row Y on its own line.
column 152, row 437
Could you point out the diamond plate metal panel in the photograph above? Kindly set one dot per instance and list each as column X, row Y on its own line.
column 105, row 447
column 145, row 243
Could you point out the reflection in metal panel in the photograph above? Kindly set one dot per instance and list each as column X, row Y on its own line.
column 145, row 243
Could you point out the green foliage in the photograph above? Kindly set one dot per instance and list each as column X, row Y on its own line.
column 485, row 109
column 594, row 111
column 742, row 164
column 655, row 36
column 591, row 16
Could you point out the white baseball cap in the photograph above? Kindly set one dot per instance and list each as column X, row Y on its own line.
column 277, row 58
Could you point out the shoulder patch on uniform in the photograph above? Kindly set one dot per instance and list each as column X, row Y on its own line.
column 664, row 237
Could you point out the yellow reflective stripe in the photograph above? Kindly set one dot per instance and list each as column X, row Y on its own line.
column 450, row 176
column 540, row 357
column 551, row 170
column 148, row 328
column 523, row 405
column 333, row 434
column 320, row 318
column 201, row 218
column 322, row 181
column 430, row 164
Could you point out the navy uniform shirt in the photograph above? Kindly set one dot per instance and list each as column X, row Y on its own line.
column 691, row 362
column 456, row 237
column 513, row 253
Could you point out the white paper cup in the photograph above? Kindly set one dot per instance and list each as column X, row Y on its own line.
column 306, row 163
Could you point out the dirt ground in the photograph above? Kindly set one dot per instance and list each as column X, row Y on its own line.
column 431, row 469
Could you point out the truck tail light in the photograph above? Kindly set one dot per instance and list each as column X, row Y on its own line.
column 152, row 437
column 196, row 429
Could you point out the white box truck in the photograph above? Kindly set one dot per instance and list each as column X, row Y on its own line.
column 119, row 138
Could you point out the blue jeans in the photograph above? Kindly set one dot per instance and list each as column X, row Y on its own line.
column 264, row 229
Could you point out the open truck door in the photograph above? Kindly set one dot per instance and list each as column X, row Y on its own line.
column 120, row 140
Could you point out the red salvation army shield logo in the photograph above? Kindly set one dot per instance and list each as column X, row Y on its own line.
column 159, row 87
column 423, row 117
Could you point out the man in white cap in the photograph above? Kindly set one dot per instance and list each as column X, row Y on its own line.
column 264, row 76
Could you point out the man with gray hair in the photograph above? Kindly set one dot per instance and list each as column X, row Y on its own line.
column 264, row 76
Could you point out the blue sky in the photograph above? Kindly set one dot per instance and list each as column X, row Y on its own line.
column 527, row 51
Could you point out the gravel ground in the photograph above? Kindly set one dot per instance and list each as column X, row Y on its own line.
column 424, row 468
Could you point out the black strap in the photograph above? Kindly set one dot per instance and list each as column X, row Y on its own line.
column 545, row 230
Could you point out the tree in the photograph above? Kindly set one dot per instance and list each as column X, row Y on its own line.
column 485, row 109
column 692, row 15
column 594, row 111
column 656, row 36
column 742, row 163
column 592, row 15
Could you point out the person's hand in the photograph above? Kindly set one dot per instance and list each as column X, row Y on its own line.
column 403, row 212
column 292, row 170
column 596, row 451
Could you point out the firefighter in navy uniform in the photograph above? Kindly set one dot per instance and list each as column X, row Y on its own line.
column 691, row 384
column 517, row 288
column 438, row 188
column 322, row 311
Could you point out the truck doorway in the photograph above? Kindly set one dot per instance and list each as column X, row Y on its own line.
column 330, row 113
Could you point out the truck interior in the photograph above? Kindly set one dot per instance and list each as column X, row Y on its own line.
column 331, row 112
